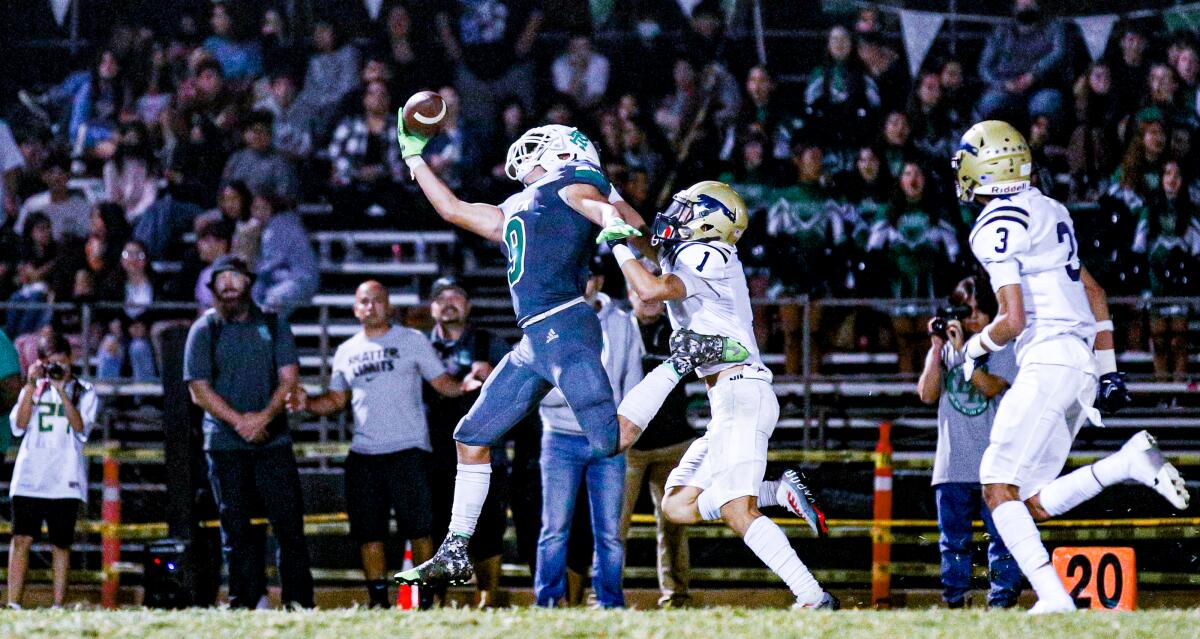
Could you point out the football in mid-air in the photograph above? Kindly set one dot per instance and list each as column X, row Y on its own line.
column 424, row 114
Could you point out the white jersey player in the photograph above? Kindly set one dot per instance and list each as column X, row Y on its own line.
column 721, row 475
column 1058, row 317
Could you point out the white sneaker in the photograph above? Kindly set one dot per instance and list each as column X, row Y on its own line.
column 827, row 602
column 1043, row 607
column 1147, row 466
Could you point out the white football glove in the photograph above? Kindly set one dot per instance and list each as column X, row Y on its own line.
column 974, row 355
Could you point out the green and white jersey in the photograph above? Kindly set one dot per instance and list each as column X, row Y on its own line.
column 50, row 463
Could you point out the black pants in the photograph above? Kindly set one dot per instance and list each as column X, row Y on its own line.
column 240, row 481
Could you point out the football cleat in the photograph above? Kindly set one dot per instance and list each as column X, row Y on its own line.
column 449, row 566
column 827, row 602
column 1147, row 466
column 691, row 350
column 794, row 495
column 1044, row 606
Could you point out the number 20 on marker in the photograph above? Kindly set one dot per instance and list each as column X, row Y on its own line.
column 1098, row 578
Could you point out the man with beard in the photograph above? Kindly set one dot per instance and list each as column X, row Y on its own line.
column 469, row 355
column 378, row 372
column 240, row 364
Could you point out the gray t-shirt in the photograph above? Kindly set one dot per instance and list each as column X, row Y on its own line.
column 245, row 376
column 965, row 417
column 383, row 375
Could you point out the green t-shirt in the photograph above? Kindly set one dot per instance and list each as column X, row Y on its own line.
column 10, row 365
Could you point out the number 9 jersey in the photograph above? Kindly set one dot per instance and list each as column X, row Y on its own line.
column 1028, row 239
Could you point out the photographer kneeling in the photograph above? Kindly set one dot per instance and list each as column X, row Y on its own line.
column 965, row 414
column 49, row 480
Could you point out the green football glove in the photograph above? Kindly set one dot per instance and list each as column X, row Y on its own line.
column 410, row 145
column 617, row 232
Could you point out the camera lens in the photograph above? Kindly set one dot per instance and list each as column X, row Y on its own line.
column 55, row 371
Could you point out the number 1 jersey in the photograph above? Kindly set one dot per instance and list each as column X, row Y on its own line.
column 1029, row 239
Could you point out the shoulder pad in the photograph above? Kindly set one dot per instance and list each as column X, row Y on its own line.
column 703, row 258
column 1000, row 234
column 585, row 173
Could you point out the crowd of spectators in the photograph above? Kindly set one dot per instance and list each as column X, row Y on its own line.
column 245, row 113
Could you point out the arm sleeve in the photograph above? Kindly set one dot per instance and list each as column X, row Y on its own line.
column 561, row 73
column 635, row 351
column 285, row 344
column 12, row 414
column 428, row 362
column 987, row 61
column 997, row 242
column 89, row 408
column 10, row 362
column 337, row 372
column 197, row 361
column 1057, row 57
column 696, row 265
column 587, row 174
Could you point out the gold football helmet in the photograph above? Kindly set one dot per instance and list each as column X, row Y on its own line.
column 709, row 210
column 992, row 159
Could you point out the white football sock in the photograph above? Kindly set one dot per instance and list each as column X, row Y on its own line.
column 1113, row 469
column 767, row 541
column 1068, row 491
column 470, row 491
column 1020, row 534
column 707, row 504
column 768, row 493
column 642, row 403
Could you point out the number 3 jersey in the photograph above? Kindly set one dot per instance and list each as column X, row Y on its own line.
column 1028, row 239
column 717, row 301
column 548, row 244
column 50, row 463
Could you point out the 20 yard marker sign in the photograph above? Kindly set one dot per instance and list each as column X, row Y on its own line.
column 1098, row 578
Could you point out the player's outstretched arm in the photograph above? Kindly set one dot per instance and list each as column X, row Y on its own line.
column 481, row 219
column 484, row 220
column 635, row 219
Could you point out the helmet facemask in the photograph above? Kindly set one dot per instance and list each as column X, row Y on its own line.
column 671, row 225
column 549, row 147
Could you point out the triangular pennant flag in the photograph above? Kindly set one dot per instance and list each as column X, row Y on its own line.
column 919, row 29
column 373, row 8
column 59, row 7
column 1096, row 30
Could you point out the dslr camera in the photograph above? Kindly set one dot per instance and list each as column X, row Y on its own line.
column 56, row 371
column 944, row 315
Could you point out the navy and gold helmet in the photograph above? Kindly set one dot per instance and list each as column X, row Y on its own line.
column 707, row 211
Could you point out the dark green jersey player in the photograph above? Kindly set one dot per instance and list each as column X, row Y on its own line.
column 547, row 232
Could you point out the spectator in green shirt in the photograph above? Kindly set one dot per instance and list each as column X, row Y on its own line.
column 913, row 250
column 10, row 387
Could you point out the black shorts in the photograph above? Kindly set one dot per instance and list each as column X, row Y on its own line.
column 28, row 513
column 376, row 484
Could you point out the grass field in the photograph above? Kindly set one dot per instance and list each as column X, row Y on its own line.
column 522, row 623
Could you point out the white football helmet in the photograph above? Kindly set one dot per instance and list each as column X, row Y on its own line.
column 549, row 147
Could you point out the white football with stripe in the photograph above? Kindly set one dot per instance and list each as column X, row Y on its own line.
column 424, row 114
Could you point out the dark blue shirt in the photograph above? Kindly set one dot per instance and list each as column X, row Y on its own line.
column 548, row 244
column 245, row 373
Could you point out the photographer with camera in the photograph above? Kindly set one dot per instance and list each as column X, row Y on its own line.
column 965, row 414
column 49, row 480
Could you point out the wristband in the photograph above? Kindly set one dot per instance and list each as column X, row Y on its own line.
column 1105, row 325
column 975, row 348
column 988, row 343
column 1107, row 359
column 414, row 161
column 622, row 254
